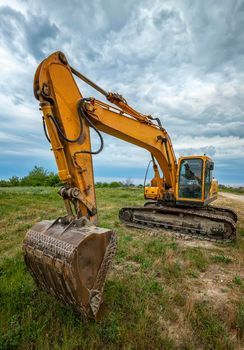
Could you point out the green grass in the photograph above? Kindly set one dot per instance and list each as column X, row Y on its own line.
column 240, row 320
column 238, row 281
column 221, row 259
column 197, row 258
column 151, row 295
column 210, row 330
column 241, row 232
column 235, row 190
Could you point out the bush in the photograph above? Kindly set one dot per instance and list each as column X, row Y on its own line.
column 115, row 184
column 112, row 184
column 4, row 183
column 53, row 180
column 14, row 181
column 38, row 176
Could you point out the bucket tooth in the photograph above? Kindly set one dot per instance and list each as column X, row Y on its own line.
column 70, row 261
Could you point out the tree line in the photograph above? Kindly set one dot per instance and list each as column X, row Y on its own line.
column 39, row 176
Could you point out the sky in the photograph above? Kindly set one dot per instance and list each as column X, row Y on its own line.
column 180, row 60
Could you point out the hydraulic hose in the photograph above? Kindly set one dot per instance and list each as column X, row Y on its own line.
column 158, row 121
column 145, row 178
column 45, row 130
column 83, row 114
column 55, row 122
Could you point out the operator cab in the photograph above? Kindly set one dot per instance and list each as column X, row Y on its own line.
column 195, row 183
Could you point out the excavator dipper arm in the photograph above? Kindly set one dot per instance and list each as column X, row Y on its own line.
column 69, row 257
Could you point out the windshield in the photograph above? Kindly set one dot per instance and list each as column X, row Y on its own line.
column 190, row 182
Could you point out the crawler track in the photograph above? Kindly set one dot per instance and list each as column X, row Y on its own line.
column 209, row 223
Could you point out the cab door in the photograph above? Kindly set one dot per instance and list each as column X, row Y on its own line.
column 207, row 178
column 190, row 180
column 210, row 184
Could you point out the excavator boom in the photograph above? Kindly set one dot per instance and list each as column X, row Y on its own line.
column 70, row 256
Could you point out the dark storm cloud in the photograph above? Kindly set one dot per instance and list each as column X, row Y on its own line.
column 216, row 30
column 25, row 35
column 181, row 60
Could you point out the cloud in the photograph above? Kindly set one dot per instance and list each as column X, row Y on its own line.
column 180, row 60
column 25, row 34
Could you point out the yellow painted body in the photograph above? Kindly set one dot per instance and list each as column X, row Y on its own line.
column 61, row 102
column 56, row 89
column 151, row 192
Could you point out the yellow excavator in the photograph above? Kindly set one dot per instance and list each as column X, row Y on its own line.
column 70, row 256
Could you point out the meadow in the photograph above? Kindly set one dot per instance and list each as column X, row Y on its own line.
column 162, row 292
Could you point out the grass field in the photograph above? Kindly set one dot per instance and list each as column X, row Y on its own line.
column 235, row 190
column 162, row 293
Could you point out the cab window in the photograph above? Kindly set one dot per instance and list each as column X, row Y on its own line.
column 208, row 178
column 190, row 181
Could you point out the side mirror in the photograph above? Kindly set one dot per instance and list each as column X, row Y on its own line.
column 211, row 166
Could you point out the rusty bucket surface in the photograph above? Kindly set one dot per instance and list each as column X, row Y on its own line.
column 70, row 261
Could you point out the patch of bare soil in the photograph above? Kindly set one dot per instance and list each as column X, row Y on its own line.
column 192, row 243
column 212, row 285
column 215, row 284
column 178, row 329
column 183, row 240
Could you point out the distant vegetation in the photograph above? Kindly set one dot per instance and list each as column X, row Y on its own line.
column 39, row 176
column 239, row 190
column 127, row 183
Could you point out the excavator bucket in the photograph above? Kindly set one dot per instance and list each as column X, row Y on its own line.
column 70, row 261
